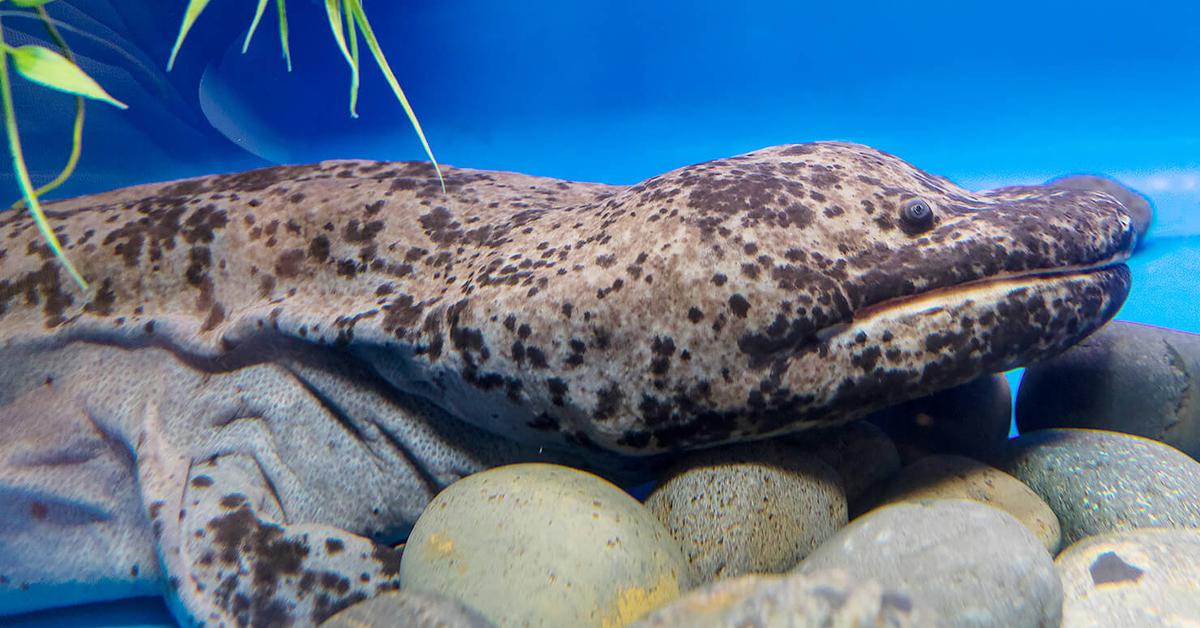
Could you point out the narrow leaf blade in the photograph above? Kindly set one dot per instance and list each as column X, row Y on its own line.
column 360, row 18
column 258, row 13
column 283, row 33
column 194, row 8
column 46, row 67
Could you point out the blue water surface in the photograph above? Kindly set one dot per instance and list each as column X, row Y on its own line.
column 986, row 94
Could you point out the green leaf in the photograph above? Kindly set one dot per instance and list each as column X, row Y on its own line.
column 283, row 34
column 356, row 77
column 189, row 18
column 46, row 67
column 22, row 172
column 258, row 13
column 354, row 7
column 333, row 8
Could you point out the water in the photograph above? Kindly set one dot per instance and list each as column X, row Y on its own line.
column 984, row 94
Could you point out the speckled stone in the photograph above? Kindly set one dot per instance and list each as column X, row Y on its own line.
column 1098, row 481
column 971, row 564
column 947, row 476
column 860, row 452
column 1147, row 577
column 758, row 507
column 1135, row 203
column 817, row 600
column 972, row 420
column 544, row 545
column 1126, row 377
column 412, row 609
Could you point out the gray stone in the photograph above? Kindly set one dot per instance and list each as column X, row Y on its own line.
column 1126, row 377
column 972, row 565
column 758, row 507
column 1135, row 202
column 1098, row 481
column 412, row 609
column 827, row 598
column 1147, row 577
column 544, row 545
column 860, row 452
column 947, row 476
column 972, row 420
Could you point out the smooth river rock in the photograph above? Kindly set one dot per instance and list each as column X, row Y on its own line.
column 544, row 545
column 1126, row 377
column 817, row 600
column 758, row 507
column 971, row 564
column 1098, row 481
column 972, row 420
column 411, row 609
column 1147, row 577
column 861, row 453
column 946, row 476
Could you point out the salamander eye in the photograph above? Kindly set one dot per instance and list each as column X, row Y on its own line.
column 916, row 216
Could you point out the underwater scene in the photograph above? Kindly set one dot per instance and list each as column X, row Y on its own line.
column 606, row 314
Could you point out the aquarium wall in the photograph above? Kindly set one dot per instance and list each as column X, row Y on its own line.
column 985, row 94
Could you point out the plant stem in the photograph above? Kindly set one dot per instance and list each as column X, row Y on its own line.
column 22, row 172
column 77, row 131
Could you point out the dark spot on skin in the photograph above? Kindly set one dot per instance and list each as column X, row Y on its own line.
column 318, row 248
column 719, row 279
column 1109, row 568
column 388, row 559
column 608, row 401
column 867, row 359
column 202, row 481
column 558, row 390
column 364, row 233
column 695, row 315
column 38, row 511
column 537, row 358
column 739, row 305
column 230, row 502
column 102, row 303
column 402, row 314
column 290, row 263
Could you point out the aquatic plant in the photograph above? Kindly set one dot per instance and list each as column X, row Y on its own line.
column 347, row 21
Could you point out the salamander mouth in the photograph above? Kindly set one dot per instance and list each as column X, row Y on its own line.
column 939, row 297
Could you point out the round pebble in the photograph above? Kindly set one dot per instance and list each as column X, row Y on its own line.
column 1148, row 577
column 544, row 545
column 947, row 476
column 1135, row 203
column 412, row 609
column 860, row 452
column 827, row 598
column 758, row 507
column 971, row 420
column 1098, row 481
column 972, row 565
column 1126, row 377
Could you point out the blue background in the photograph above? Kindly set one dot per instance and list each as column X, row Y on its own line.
column 986, row 94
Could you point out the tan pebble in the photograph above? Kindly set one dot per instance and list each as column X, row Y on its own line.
column 958, row 477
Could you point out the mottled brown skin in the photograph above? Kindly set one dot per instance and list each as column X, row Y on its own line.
column 327, row 345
